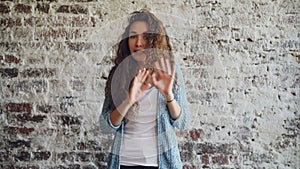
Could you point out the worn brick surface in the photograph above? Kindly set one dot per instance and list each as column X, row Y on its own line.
column 240, row 60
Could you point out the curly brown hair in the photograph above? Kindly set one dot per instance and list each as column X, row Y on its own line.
column 159, row 46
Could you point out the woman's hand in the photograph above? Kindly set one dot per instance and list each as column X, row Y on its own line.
column 138, row 86
column 163, row 78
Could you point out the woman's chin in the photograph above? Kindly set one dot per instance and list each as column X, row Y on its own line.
column 139, row 58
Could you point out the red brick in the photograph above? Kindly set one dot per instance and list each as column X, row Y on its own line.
column 12, row 59
column 60, row 21
column 89, row 145
column 5, row 156
column 74, row 166
column 63, row 9
column 9, row 72
column 75, row 156
column 78, row 46
column 45, row 155
column 35, row 60
column 205, row 159
column 47, row 1
column 83, row 157
column 208, row 148
column 43, row 7
column 188, row 146
column 69, row 120
column 24, row 118
column 30, row 86
column 19, row 107
column 86, row 0
column 30, row 21
column 75, row 9
column 14, row 22
column 66, row 156
column 186, row 156
column 201, row 59
column 89, row 166
column 53, row 34
column 26, row 167
column 18, row 130
column 79, row 21
column 100, row 156
column 220, row 159
column 22, row 8
column 78, row 33
column 38, row 72
column 18, row 143
column 46, row 108
column 4, row 8
column 8, row 46
column 22, row 156
column 196, row 134
column 189, row 167
column 10, row 22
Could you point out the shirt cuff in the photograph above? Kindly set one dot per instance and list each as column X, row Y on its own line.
column 111, row 125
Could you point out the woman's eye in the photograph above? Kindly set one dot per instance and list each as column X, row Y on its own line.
column 147, row 36
column 132, row 36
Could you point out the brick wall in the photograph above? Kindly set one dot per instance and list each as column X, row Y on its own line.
column 240, row 61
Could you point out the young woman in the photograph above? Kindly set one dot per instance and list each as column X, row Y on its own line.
column 145, row 98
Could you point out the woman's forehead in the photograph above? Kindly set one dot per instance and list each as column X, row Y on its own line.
column 138, row 27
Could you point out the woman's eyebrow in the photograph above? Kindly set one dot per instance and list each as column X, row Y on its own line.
column 134, row 33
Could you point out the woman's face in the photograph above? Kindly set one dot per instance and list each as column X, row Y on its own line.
column 138, row 40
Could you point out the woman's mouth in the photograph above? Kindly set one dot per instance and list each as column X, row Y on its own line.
column 138, row 51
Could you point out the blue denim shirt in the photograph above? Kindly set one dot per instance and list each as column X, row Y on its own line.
column 168, row 153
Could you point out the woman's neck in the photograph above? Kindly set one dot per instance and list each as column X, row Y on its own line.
column 141, row 65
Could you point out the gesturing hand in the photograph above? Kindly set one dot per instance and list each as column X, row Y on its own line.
column 138, row 86
column 163, row 78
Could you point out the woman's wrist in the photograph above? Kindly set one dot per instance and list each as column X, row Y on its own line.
column 129, row 101
column 169, row 97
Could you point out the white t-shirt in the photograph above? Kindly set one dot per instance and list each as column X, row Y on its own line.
column 140, row 134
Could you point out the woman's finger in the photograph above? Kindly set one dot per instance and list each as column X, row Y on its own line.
column 139, row 73
column 168, row 67
column 146, row 86
column 162, row 64
column 157, row 66
column 144, row 75
column 173, row 70
column 153, row 78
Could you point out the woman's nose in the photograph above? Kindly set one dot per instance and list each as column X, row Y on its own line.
column 139, row 41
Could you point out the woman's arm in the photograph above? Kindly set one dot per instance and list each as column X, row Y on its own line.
column 183, row 121
column 163, row 80
column 173, row 106
column 119, row 113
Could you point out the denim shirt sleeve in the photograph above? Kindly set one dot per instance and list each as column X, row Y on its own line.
column 183, row 121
